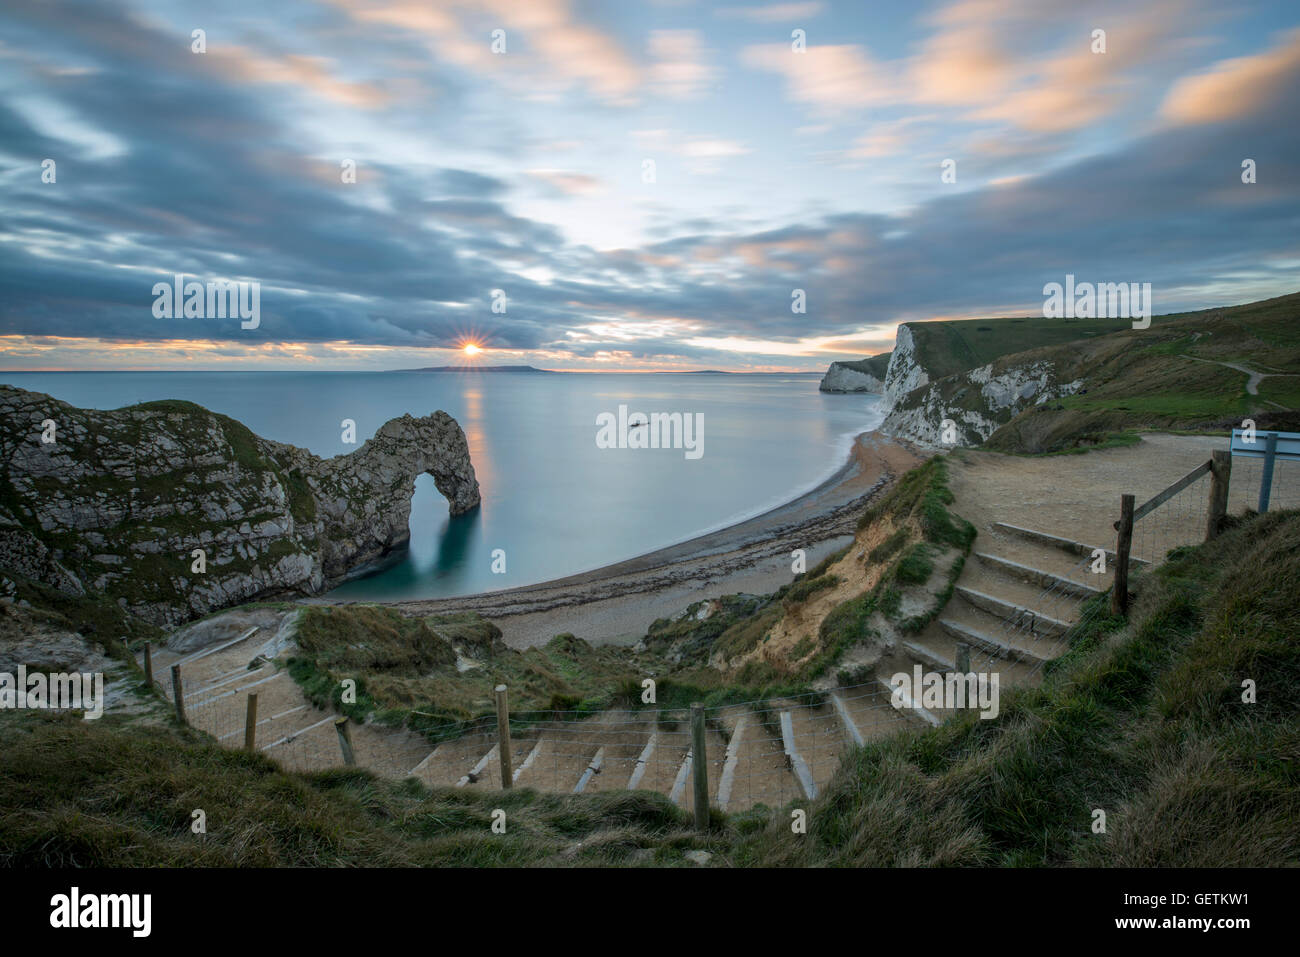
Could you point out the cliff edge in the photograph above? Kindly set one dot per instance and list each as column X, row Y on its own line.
column 862, row 375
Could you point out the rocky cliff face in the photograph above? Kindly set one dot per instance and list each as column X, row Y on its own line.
column 978, row 401
column 905, row 372
column 857, row 375
column 119, row 502
column 842, row 377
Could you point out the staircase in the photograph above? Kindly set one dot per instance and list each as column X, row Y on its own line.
column 1017, row 596
column 216, row 684
column 1019, row 593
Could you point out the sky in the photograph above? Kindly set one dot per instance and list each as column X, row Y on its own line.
column 625, row 186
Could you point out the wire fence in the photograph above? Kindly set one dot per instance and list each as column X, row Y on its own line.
column 1247, row 478
column 297, row 735
column 1178, row 522
column 1044, row 628
column 767, row 751
column 1039, row 631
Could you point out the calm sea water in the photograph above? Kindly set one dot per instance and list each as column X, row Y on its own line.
column 552, row 500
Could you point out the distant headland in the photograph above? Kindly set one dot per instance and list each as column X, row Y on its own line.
column 477, row 369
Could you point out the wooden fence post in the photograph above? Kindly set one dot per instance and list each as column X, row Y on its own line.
column 1220, row 476
column 345, row 740
column 1123, row 545
column 250, row 723
column 178, row 692
column 503, row 735
column 701, row 767
column 148, row 664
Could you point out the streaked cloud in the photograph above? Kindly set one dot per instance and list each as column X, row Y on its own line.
column 773, row 12
column 1246, row 85
column 523, row 172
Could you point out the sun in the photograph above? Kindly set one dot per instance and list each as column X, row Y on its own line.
column 471, row 349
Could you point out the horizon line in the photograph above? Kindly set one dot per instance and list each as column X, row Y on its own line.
column 434, row 369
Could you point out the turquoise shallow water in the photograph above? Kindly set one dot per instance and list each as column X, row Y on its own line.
column 553, row 501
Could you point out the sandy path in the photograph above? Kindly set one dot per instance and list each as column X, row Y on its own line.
column 1077, row 496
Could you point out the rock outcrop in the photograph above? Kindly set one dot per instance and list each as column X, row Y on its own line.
column 119, row 502
column 864, row 375
column 977, row 401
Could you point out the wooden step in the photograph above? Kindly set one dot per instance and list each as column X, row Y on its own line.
column 850, row 726
column 912, row 706
column 1039, row 576
column 990, row 644
column 797, row 763
column 1065, row 544
column 1015, row 615
column 927, row 657
column 729, row 765
column 593, row 769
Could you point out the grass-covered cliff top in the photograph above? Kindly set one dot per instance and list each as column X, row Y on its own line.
column 1143, row 720
column 871, row 365
column 947, row 346
column 1177, row 374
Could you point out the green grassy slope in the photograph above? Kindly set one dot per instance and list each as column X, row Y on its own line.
column 408, row 673
column 872, row 365
column 1168, row 376
column 1142, row 720
column 945, row 347
column 78, row 793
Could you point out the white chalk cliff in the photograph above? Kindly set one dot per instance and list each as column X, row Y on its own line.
column 978, row 401
column 841, row 377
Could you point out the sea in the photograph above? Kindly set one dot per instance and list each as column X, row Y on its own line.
column 557, row 499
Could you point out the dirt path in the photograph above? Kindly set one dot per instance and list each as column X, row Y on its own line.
column 1252, row 383
column 1077, row 496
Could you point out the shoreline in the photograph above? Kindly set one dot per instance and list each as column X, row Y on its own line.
column 616, row 604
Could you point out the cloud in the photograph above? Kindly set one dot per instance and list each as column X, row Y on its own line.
column 467, row 183
column 885, row 139
column 964, row 62
column 680, row 70
column 219, row 177
column 842, row 76
column 773, row 12
column 707, row 149
column 1025, row 64
column 555, row 45
column 567, row 182
column 1242, row 85
column 310, row 73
